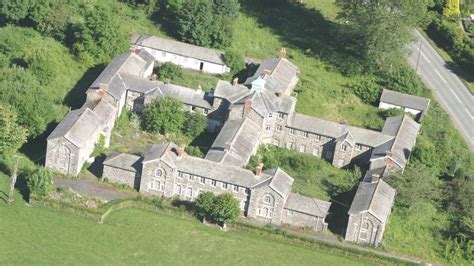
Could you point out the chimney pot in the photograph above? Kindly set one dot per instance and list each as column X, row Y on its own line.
column 283, row 52
column 259, row 169
column 181, row 151
column 247, row 105
column 103, row 87
column 235, row 81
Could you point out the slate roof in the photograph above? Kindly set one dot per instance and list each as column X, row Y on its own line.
column 314, row 207
column 404, row 130
column 105, row 111
column 181, row 48
column 334, row 130
column 235, row 143
column 281, row 181
column 139, row 84
column 277, row 73
column 226, row 90
column 130, row 63
column 405, row 100
column 77, row 126
column 185, row 95
column 375, row 198
column 124, row 161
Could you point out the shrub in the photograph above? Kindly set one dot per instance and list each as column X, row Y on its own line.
column 234, row 61
column 225, row 208
column 12, row 135
column 165, row 115
column 194, row 124
column 40, row 182
column 169, row 71
column 194, row 151
column 390, row 112
column 368, row 90
column 204, row 205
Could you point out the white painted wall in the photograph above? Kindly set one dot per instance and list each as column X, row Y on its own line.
column 383, row 105
column 186, row 62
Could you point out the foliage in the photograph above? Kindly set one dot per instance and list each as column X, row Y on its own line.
column 381, row 29
column 169, row 71
column 403, row 79
column 99, row 38
column 313, row 176
column 451, row 9
column 225, row 208
column 194, row 151
column 415, row 185
column 234, row 60
column 206, row 22
column 204, row 205
column 40, row 181
column 390, row 112
column 12, row 135
column 99, row 146
column 368, row 90
column 165, row 115
column 195, row 124
column 149, row 6
column 450, row 37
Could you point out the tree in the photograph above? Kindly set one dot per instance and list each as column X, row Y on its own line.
column 165, row 115
column 234, row 61
column 206, row 22
column 226, row 208
column 40, row 182
column 99, row 38
column 417, row 184
column 194, row 151
column 382, row 28
column 15, row 11
column 12, row 135
column 195, row 124
column 451, row 9
column 204, row 205
column 368, row 90
column 169, row 71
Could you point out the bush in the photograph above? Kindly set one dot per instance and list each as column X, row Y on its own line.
column 368, row 90
column 165, row 115
column 40, row 182
column 169, row 71
column 221, row 209
column 194, row 151
column 204, row 205
column 234, row 61
column 195, row 124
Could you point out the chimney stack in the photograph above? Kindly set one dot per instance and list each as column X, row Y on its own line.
column 259, row 169
column 132, row 49
column 279, row 94
column 247, row 105
column 283, row 52
column 181, row 151
column 235, row 81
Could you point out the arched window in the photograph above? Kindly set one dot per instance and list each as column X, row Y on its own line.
column 268, row 199
column 159, row 172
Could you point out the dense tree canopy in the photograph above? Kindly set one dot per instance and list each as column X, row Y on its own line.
column 225, row 208
column 12, row 135
column 382, row 28
column 165, row 115
column 195, row 124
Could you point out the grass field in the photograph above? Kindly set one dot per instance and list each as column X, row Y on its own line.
column 32, row 235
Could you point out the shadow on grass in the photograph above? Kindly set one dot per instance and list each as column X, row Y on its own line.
column 308, row 30
column 77, row 96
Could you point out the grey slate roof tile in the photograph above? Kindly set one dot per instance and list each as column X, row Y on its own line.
column 124, row 161
column 375, row 198
column 405, row 100
column 314, row 207
column 181, row 48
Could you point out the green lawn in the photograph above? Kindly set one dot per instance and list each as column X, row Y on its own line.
column 32, row 235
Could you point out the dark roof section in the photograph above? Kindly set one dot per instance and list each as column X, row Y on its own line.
column 375, row 198
column 278, row 74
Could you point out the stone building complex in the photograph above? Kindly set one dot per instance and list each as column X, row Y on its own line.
column 260, row 110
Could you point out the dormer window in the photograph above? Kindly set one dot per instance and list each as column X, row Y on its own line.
column 292, row 131
column 317, row 137
column 305, row 134
column 281, row 115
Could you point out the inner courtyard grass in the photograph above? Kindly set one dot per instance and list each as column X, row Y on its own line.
column 32, row 235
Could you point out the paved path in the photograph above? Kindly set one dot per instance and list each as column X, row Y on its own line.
column 447, row 88
column 93, row 188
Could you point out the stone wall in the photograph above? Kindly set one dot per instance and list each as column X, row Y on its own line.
column 266, row 211
column 62, row 156
column 364, row 228
column 300, row 219
column 122, row 176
